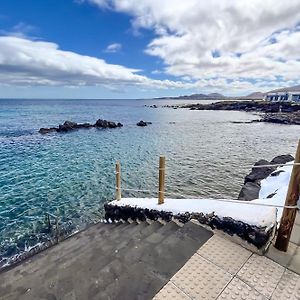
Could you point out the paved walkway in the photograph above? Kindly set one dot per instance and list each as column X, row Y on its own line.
column 221, row 269
column 290, row 259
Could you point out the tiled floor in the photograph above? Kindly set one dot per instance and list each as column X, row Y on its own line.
column 291, row 258
column 223, row 270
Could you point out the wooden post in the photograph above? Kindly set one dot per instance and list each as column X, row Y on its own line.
column 161, row 186
column 289, row 214
column 118, row 181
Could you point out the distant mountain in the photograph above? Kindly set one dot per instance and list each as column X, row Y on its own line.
column 287, row 89
column 254, row 96
column 212, row 96
column 217, row 96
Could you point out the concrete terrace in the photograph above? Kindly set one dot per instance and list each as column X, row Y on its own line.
column 154, row 260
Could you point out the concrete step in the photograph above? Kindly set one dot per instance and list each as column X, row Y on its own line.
column 147, row 268
column 116, row 266
column 138, row 284
column 107, row 261
column 104, row 248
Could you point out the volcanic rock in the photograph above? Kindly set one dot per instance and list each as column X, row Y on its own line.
column 143, row 123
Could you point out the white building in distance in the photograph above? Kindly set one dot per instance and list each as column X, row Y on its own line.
column 293, row 96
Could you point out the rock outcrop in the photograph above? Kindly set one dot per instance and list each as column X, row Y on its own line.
column 257, row 106
column 275, row 112
column 250, row 189
column 282, row 118
column 143, row 123
column 71, row 126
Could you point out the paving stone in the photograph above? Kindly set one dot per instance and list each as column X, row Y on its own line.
column 237, row 289
column 283, row 258
column 171, row 292
column 294, row 264
column 261, row 273
column 93, row 264
column 288, row 287
column 201, row 279
column 295, row 236
column 225, row 254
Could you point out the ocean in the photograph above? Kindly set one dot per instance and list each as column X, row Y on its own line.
column 72, row 175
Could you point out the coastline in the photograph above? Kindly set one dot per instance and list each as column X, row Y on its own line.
column 272, row 112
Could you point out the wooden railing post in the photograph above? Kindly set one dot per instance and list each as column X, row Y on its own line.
column 118, row 181
column 289, row 214
column 161, row 185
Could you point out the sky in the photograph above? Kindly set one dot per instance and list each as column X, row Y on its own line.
column 147, row 48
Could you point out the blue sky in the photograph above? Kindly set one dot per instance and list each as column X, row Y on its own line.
column 132, row 49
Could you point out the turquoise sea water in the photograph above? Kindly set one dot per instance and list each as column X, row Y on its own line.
column 72, row 174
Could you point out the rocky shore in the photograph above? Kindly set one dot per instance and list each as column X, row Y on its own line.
column 250, row 189
column 68, row 126
column 275, row 112
column 282, row 118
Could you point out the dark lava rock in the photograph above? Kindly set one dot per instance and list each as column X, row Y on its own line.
column 67, row 126
column 70, row 126
column 276, row 173
column 249, row 191
column 259, row 106
column 259, row 173
column 275, row 112
column 107, row 124
column 291, row 118
column 282, row 159
column 143, row 123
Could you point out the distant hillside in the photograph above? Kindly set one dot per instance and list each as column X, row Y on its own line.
column 217, row 96
column 254, row 96
column 212, row 96
column 288, row 89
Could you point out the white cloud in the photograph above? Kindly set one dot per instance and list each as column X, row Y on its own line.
column 240, row 31
column 113, row 48
column 25, row 62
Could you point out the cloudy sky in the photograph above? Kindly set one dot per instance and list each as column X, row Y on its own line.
column 147, row 48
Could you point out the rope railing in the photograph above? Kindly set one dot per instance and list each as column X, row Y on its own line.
column 289, row 208
column 275, row 165
column 218, row 200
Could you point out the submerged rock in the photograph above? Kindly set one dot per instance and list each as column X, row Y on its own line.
column 47, row 130
column 143, row 123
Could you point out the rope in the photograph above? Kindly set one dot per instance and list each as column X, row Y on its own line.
column 220, row 200
column 245, row 166
column 275, row 165
column 135, row 190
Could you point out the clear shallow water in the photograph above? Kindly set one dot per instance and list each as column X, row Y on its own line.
column 72, row 174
